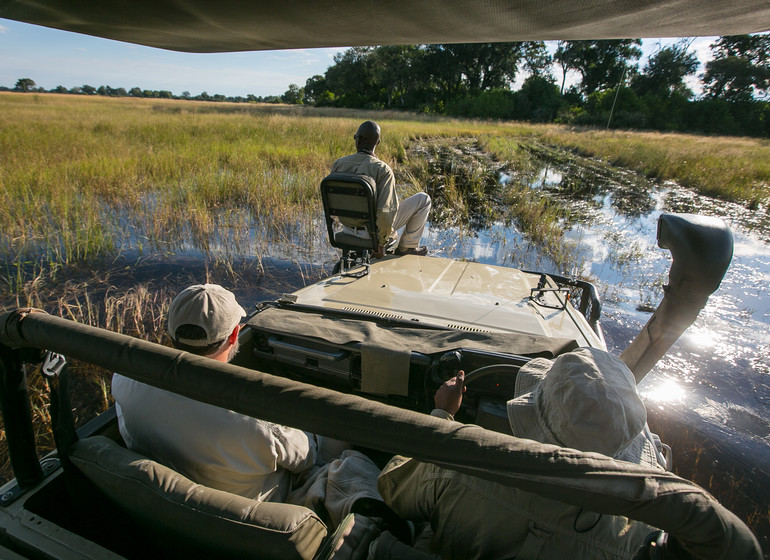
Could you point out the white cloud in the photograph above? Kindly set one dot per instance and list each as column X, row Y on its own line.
column 3, row 29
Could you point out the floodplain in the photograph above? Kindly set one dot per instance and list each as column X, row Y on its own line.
column 110, row 206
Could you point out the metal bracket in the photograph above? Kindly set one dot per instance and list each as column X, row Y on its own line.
column 53, row 364
column 49, row 466
column 535, row 294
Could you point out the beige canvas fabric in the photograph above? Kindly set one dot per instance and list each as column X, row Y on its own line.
column 232, row 25
column 208, row 306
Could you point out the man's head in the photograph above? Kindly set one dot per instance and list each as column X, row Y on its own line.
column 586, row 400
column 368, row 136
column 204, row 319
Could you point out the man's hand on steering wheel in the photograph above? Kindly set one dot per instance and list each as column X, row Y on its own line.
column 449, row 396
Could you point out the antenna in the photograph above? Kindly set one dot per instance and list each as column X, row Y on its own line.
column 620, row 83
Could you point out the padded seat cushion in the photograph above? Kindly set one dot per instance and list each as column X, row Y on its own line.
column 174, row 507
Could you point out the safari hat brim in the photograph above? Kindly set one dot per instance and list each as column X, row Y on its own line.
column 522, row 414
column 586, row 400
column 640, row 451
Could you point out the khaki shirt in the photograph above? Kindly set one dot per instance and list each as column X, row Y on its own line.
column 387, row 199
column 212, row 446
column 476, row 519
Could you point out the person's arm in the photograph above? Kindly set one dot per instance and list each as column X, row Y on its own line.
column 407, row 489
column 449, row 396
column 387, row 204
column 296, row 450
column 410, row 487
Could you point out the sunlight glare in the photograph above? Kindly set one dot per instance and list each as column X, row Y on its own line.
column 667, row 391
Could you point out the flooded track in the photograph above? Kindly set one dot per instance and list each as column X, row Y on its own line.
column 709, row 397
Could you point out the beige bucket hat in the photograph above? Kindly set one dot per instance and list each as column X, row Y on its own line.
column 208, row 306
column 586, row 400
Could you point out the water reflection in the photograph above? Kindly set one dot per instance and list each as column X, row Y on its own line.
column 709, row 395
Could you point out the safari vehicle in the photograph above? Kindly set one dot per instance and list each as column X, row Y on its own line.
column 358, row 355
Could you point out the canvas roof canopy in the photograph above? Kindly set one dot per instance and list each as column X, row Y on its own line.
column 248, row 25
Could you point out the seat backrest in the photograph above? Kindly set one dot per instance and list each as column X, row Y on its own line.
column 350, row 198
column 175, row 510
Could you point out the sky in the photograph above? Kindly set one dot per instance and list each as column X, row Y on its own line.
column 52, row 57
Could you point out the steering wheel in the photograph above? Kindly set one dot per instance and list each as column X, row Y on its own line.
column 486, row 371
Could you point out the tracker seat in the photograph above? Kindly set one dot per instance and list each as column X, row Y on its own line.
column 350, row 210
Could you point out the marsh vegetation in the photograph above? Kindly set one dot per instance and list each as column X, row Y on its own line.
column 89, row 179
column 110, row 206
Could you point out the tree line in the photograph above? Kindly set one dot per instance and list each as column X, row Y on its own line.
column 28, row 85
column 477, row 81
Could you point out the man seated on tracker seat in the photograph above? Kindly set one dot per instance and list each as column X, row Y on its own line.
column 392, row 214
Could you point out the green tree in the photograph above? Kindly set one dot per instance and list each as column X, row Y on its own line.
column 601, row 64
column 428, row 78
column 395, row 71
column 476, row 67
column 567, row 59
column 538, row 99
column 351, row 78
column 537, row 61
column 316, row 90
column 665, row 71
column 294, row 95
column 740, row 70
column 24, row 84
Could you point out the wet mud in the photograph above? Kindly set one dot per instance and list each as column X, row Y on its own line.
column 461, row 178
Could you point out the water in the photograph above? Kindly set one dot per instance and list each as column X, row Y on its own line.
column 708, row 397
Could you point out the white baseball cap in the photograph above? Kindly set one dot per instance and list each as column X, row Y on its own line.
column 208, row 306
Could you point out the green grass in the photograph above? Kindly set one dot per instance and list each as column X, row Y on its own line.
column 730, row 168
column 88, row 178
